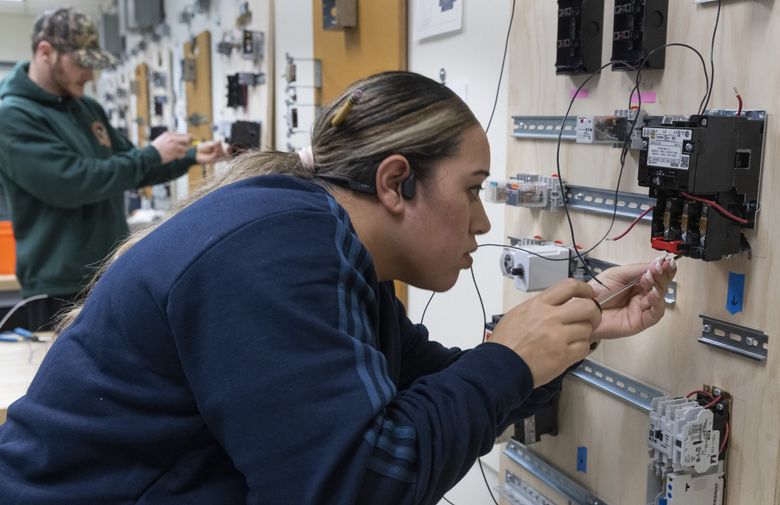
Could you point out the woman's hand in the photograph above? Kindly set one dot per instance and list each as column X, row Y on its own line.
column 638, row 308
column 552, row 330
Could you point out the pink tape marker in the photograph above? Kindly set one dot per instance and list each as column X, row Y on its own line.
column 646, row 96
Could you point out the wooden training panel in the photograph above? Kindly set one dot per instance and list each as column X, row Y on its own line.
column 667, row 356
column 198, row 94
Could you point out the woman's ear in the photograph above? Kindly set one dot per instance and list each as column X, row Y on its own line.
column 392, row 187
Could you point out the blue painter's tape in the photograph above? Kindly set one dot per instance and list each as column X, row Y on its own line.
column 582, row 459
column 736, row 292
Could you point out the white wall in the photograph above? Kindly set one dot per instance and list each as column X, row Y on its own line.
column 15, row 32
column 471, row 57
column 294, row 36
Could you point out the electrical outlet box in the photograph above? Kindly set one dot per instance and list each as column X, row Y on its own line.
column 578, row 46
column 244, row 135
column 339, row 14
column 252, row 45
column 639, row 27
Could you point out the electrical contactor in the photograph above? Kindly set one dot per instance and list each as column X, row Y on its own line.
column 704, row 172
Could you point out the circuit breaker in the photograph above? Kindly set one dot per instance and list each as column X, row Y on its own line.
column 578, row 46
column 704, row 172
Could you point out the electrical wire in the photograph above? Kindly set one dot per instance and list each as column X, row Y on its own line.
column 626, row 144
column 715, row 206
column 482, row 338
column 727, row 431
column 503, row 62
column 633, row 223
column 445, row 499
column 19, row 306
column 712, row 57
column 739, row 101
column 422, row 318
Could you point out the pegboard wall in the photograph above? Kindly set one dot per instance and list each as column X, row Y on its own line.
column 669, row 355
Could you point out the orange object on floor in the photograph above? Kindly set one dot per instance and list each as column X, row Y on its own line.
column 7, row 249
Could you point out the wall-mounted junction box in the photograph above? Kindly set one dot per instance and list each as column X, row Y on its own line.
column 639, row 28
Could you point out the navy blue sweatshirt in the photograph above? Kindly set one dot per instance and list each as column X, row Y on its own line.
column 245, row 353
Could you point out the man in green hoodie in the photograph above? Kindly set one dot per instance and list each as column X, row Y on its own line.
column 64, row 169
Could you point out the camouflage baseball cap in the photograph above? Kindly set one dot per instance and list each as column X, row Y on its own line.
column 74, row 32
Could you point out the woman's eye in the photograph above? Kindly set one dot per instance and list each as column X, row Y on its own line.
column 475, row 192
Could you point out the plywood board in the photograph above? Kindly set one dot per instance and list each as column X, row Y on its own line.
column 198, row 95
column 142, row 113
column 667, row 356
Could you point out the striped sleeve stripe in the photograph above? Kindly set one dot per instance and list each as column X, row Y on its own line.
column 354, row 295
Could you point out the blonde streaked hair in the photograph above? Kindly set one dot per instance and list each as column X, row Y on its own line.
column 398, row 113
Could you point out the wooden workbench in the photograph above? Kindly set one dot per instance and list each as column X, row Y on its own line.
column 8, row 283
column 18, row 364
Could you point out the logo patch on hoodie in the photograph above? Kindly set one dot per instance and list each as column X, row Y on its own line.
column 101, row 134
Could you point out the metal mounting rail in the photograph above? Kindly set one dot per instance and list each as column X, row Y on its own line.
column 550, row 475
column 734, row 338
column 519, row 492
column 544, row 127
column 629, row 390
column 602, row 201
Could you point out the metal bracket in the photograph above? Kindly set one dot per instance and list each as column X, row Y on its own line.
column 550, row 475
column 544, row 127
column 598, row 266
column 196, row 119
column 602, row 201
column 188, row 70
column 629, row 390
column 519, row 492
column 735, row 338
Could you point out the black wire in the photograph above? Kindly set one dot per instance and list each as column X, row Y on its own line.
column 445, row 499
column 486, row 481
column 482, row 338
column 626, row 143
column 422, row 318
column 712, row 57
column 503, row 62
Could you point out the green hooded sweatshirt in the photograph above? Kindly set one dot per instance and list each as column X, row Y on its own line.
column 64, row 171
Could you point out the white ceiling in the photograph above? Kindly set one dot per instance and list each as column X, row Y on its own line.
column 35, row 7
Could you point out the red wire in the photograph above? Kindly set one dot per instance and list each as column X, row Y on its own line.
column 633, row 223
column 714, row 205
column 727, row 431
column 739, row 100
column 701, row 391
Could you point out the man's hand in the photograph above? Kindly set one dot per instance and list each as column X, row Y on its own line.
column 209, row 152
column 171, row 146
column 552, row 330
column 638, row 308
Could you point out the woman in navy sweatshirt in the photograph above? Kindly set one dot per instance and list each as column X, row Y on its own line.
column 251, row 350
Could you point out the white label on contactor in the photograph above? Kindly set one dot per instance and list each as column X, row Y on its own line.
column 664, row 147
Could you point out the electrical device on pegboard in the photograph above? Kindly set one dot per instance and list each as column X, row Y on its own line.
column 688, row 441
column 244, row 135
column 638, row 28
column 578, row 46
column 704, row 172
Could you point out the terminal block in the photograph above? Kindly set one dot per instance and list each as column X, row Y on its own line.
column 704, row 172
